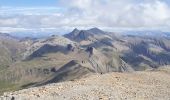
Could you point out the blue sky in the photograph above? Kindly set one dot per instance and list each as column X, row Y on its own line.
column 28, row 3
column 64, row 15
column 31, row 3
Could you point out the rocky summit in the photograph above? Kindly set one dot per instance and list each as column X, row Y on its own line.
column 146, row 85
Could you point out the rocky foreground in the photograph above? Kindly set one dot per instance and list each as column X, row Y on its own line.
column 148, row 85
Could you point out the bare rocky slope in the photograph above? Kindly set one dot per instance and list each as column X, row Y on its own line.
column 146, row 85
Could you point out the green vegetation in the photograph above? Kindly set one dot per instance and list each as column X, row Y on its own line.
column 7, row 86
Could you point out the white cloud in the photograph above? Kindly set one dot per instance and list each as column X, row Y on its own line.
column 121, row 13
column 107, row 14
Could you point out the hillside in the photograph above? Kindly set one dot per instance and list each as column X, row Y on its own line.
column 146, row 85
column 10, row 49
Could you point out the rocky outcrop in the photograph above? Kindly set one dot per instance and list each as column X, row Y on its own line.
column 90, row 50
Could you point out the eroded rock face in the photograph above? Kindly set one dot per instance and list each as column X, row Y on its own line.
column 70, row 47
column 90, row 50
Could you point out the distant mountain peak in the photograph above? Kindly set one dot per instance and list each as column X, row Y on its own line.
column 96, row 30
column 75, row 29
column 5, row 34
column 75, row 32
column 80, row 35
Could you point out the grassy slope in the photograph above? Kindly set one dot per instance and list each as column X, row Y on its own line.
column 17, row 71
column 6, row 86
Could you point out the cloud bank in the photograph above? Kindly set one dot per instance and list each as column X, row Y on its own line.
column 106, row 14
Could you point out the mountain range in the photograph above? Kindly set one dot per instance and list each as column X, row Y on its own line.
column 31, row 62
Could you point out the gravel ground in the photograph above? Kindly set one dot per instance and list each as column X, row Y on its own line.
column 148, row 85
